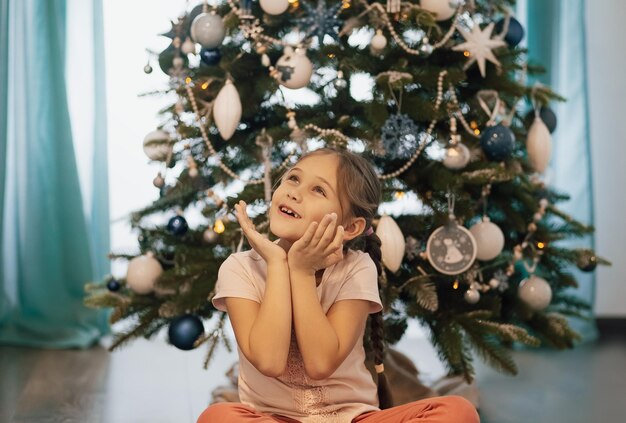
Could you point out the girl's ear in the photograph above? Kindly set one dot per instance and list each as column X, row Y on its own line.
column 353, row 228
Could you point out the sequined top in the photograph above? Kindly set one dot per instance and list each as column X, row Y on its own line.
column 350, row 390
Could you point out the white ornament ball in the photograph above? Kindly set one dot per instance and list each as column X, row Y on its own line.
column 227, row 110
column 494, row 283
column 158, row 181
column 178, row 62
column 143, row 272
column 442, row 9
column 489, row 239
column 294, row 68
column 472, row 296
column 188, row 47
column 379, row 41
column 456, row 157
column 209, row 236
column 539, row 145
column 392, row 242
column 208, row 30
column 535, row 292
column 157, row 145
column 274, row 7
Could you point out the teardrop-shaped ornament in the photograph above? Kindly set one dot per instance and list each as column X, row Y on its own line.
column 227, row 110
column 539, row 145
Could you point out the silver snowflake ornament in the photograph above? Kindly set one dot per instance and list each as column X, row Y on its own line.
column 479, row 44
column 321, row 20
column 399, row 136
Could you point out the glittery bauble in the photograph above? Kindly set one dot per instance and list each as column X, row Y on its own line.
column 515, row 32
column 294, row 68
column 210, row 56
column 399, row 136
column 498, row 142
column 184, row 331
column 208, row 30
column 535, row 292
column 157, row 145
column 143, row 272
column 177, row 225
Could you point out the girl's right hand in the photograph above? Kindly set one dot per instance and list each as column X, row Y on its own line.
column 267, row 249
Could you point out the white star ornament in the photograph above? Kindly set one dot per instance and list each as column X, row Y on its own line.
column 479, row 44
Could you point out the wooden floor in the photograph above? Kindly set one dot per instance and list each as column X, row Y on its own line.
column 153, row 382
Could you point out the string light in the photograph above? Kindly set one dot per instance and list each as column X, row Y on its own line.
column 205, row 85
column 219, row 227
column 455, row 285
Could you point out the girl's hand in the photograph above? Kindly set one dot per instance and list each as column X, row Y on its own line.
column 320, row 247
column 267, row 249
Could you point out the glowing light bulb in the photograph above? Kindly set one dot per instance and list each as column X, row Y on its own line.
column 219, row 226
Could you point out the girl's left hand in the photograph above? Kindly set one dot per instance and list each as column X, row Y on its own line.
column 320, row 247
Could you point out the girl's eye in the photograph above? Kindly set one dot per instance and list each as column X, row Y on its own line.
column 292, row 178
column 320, row 190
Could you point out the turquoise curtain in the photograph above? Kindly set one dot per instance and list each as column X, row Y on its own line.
column 555, row 37
column 54, row 229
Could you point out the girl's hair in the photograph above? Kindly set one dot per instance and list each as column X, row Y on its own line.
column 358, row 183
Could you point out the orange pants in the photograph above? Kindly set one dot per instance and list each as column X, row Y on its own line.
column 448, row 409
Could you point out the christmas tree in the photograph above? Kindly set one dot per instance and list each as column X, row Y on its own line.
column 435, row 94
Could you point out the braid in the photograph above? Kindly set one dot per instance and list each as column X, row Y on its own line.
column 377, row 332
column 372, row 247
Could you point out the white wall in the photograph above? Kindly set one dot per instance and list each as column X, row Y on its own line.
column 131, row 27
column 606, row 34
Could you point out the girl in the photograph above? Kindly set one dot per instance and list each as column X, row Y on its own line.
column 299, row 306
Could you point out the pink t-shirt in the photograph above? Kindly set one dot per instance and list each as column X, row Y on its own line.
column 348, row 392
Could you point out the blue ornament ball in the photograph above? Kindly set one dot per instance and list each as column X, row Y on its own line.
column 546, row 114
column 177, row 225
column 515, row 34
column 210, row 56
column 498, row 142
column 113, row 285
column 184, row 331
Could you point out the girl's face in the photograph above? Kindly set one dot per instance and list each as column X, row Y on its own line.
column 306, row 194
